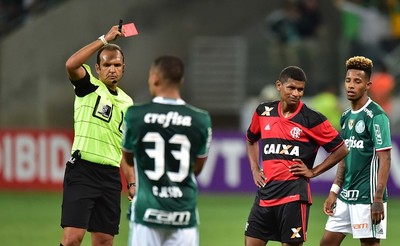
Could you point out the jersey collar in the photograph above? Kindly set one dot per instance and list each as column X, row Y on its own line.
column 363, row 107
column 293, row 114
column 172, row 101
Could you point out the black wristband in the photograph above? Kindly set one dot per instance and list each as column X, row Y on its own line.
column 130, row 185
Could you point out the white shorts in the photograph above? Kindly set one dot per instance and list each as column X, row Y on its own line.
column 141, row 235
column 356, row 219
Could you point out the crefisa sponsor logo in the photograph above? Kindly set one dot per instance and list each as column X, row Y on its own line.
column 171, row 118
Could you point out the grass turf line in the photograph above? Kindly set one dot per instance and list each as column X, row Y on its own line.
column 33, row 218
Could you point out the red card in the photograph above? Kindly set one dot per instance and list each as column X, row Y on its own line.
column 129, row 30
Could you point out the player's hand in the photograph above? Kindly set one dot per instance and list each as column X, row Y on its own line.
column 330, row 204
column 259, row 178
column 131, row 192
column 113, row 34
column 298, row 168
column 377, row 212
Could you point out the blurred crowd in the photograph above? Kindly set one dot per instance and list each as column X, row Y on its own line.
column 371, row 27
column 13, row 13
column 293, row 32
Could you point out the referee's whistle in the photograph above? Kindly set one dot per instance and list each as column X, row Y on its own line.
column 120, row 25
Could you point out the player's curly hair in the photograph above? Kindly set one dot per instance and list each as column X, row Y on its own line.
column 360, row 63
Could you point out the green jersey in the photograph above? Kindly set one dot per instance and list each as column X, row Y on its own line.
column 166, row 136
column 366, row 132
column 98, row 117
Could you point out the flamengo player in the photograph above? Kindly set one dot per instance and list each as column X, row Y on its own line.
column 290, row 135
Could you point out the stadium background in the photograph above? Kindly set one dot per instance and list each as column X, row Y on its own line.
column 229, row 61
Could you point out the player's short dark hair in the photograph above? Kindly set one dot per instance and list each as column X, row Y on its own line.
column 109, row 47
column 171, row 67
column 292, row 72
column 360, row 63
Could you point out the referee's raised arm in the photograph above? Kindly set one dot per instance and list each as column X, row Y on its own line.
column 74, row 63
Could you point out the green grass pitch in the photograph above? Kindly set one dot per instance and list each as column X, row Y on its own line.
column 32, row 218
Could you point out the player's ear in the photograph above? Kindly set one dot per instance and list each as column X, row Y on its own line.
column 278, row 85
column 158, row 77
column 97, row 68
column 157, row 80
column 369, row 83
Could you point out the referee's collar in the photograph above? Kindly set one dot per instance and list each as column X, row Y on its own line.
column 173, row 101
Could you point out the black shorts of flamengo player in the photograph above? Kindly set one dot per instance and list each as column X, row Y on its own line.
column 286, row 223
column 92, row 197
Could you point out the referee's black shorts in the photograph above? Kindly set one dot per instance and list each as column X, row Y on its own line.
column 92, row 197
column 286, row 223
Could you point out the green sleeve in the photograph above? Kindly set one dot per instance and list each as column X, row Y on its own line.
column 380, row 131
column 127, row 138
column 207, row 132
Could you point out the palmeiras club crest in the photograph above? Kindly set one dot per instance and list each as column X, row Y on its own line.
column 351, row 124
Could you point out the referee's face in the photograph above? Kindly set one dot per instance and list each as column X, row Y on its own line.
column 111, row 67
column 291, row 91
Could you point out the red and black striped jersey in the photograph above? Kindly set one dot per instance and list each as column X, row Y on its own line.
column 283, row 139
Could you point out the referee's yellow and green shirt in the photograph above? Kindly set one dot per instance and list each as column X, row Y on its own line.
column 98, row 118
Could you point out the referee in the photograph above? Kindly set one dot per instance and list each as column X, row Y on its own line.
column 92, row 184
